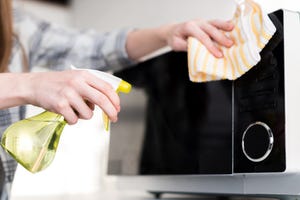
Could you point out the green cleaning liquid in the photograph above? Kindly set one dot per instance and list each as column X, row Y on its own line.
column 33, row 141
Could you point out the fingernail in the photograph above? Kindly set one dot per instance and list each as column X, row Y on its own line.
column 219, row 54
column 230, row 24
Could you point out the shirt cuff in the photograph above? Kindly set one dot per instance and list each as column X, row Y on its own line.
column 114, row 50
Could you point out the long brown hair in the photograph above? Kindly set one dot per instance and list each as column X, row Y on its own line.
column 6, row 33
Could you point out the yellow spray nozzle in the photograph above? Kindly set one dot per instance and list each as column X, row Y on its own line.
column 124, row 87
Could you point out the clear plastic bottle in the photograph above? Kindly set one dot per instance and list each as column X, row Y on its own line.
column 33, row 141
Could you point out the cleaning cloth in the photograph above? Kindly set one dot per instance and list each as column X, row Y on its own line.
column 253, row 29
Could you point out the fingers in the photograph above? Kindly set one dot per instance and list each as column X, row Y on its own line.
column 80, row 92
column 217, row 35
column 103, row 101
column 106, row 89
column 98, row 92
column 80, row 107
column 210, row 33
column 90, row 105
column 207, row 41
column 63, row 107
column 200, row 31
column 223, row 25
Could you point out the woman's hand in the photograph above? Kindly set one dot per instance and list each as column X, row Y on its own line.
column 211, row 33
column 71, row 93
column 207, row 32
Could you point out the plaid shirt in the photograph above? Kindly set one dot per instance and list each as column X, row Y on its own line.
column 55, row 48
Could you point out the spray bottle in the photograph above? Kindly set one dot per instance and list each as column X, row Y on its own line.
column 33, row 141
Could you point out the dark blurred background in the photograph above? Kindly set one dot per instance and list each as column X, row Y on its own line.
column 61, row 2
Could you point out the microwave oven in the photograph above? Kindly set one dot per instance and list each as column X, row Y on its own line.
column 236, row 137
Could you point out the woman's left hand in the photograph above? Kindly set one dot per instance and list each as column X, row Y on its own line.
column 141, row 42
column 209, row 33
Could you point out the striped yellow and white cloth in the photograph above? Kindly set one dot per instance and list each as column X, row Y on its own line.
column 253, row 29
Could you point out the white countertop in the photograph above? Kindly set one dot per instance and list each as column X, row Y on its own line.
column 115, row 195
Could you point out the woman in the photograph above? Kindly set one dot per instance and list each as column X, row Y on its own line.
column 26, row 42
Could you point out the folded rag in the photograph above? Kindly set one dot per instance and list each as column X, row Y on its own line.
column 253, row 29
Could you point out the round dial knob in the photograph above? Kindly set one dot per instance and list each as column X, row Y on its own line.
column 257, row 141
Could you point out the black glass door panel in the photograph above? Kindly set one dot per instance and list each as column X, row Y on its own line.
column 259, row 100
column 187, row 125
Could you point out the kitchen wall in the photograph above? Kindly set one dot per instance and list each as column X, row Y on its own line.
column 107, row 15
column 111, row 14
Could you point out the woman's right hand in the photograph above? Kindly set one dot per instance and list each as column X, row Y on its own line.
column 71, row 93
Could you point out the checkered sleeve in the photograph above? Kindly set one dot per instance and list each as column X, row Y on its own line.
column 7, row 164
column 52, row 46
